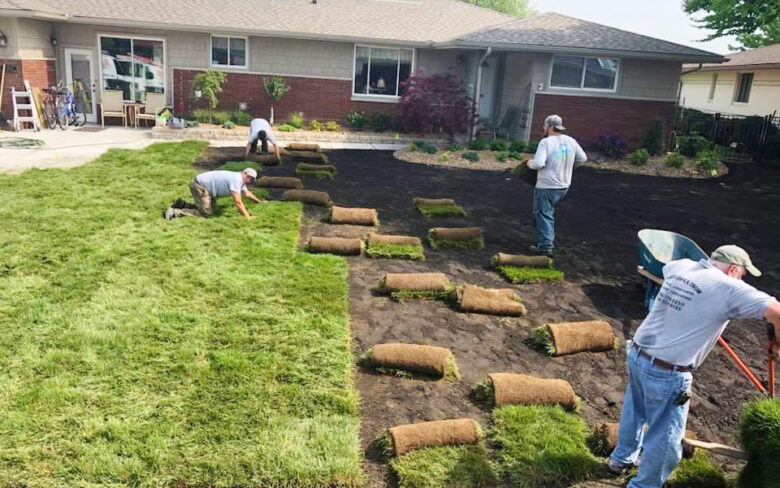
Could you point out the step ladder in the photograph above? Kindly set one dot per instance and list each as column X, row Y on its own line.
column 28, row 106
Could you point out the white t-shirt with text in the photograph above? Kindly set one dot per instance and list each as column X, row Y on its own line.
column 555, row 159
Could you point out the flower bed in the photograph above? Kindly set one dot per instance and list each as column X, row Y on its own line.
column 486, row 159
column 656, row 166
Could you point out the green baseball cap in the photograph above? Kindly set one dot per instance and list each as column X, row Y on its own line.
column 731, row 254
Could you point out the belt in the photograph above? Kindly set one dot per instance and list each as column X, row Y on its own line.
column 660, row 362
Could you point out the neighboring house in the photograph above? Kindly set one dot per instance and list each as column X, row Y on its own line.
column 344, row 55
column 748, row 84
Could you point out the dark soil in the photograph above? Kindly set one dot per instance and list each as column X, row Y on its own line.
column 597, row 249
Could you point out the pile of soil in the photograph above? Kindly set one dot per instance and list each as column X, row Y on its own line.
column 597, row 249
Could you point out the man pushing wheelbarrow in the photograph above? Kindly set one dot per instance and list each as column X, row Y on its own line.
column 689, row 313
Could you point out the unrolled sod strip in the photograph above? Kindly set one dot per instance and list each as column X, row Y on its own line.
column 434, row 201
column 353, row 216
column 521, row 389
column 394, row 240
column 311, row 197
column 302, row 146
column 499, row 301
column 502, row 259
column 431, row 434
column 280, row 182
column 310, row 156
column 394, row 282
column 574, row 337
column 336, row 245
column 430, row 360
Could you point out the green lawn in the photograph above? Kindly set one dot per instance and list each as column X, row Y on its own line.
column 142, row 352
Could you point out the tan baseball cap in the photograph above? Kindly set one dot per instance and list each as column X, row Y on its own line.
column 251, row 172
column 555, row 121
column 731, row 254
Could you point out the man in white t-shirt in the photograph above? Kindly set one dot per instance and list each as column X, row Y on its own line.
column 689, row 314
column 207, row 187
column 555, row 159
column 260, row 130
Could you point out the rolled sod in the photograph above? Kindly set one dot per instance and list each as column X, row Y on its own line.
column 312, row 197
column 431, row 434
column 430, row 360
column 503, row 259
column 280, row 182
column 574, row 337
column 267, row 159
column 319, row 171
column 499, row 301
column 302, row 146
column 463, row 238
column 310, row 156
column 353, row 216
column 416, row 285
column 521, row 389
column 336, row 245
column 395, row 247
column 433, row 201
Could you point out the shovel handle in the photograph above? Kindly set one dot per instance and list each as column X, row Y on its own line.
column 772, row 341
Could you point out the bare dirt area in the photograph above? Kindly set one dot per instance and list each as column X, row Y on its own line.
column 597, row 226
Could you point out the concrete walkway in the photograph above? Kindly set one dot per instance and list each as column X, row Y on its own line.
column 67, row 148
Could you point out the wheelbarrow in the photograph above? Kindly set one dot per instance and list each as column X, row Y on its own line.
column 658, row 247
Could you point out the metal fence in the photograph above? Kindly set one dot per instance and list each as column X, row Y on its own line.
column 740, row 138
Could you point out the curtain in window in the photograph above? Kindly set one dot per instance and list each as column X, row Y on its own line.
column 219, row 50
column 362, row 55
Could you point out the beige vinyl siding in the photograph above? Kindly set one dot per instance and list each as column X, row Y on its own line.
column 300, row 57
column 764, row 94
column 27, row 38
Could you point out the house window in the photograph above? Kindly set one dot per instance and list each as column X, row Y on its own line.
column 744, row 84
column 579, row 72
column 713, row 85
column 379, row 71
column 134, row 65
column 229, row 52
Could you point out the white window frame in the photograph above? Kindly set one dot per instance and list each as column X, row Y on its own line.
column 738, row 85
column 229, row 66
column 131, row 37
column 374, row 97
column 614, row 89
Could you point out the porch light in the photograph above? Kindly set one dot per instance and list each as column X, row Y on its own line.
column 3, row 40
column 242, row 105
column 53, row 40
column 198, row 94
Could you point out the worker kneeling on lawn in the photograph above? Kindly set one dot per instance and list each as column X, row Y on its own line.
column 260, row 131
column 206, row 187
column 691, row 311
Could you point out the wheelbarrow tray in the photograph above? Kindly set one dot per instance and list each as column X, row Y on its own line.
column 659, row 247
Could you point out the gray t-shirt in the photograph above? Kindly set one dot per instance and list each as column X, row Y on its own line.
column 261, row 124
column 221, row 183
column 555, row 159
column 693, row 308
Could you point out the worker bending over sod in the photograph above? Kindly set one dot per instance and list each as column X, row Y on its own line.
column 691, row 311
column 555, row 159
column 208, row 186
column 260, row 130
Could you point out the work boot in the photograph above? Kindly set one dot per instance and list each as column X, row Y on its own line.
column 619, row 469
column 541, row 252
column 179, row 203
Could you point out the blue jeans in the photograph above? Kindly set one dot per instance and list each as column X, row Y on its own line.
column 545, row 200
column 650, row 399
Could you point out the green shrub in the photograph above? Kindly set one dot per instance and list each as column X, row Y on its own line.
column 380, row 121
column 692, row 145
column 502, row 156
column 444, row 157
column 471, row 156
column 296, row 119
column 209, row 84
column 654, row 140
column 759, row 433
column 357, row 120
column 675, row 160
column 428, row 148
column 454, row 146
column 517, row 146
column 498, row 145
column 241, row 117
column 516, row 155
column 229, row 124
column 220, row 117
column 477, row 144
column 332, row 126
column 286, row 128
column 531, row 146
column 708, row 159
column 201, row 115
column 316, row 125
column 640, row 157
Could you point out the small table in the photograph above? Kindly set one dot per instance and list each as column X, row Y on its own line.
column 130, row 108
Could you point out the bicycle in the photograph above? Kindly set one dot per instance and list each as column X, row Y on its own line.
column 62, row 108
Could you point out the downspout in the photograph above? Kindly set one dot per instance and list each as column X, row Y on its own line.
column 680, row 83
column 677, row 106
column 477, row 88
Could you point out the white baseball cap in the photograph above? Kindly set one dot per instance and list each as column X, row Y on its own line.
column 731, row 254
column 251, row 172
column 555, row 121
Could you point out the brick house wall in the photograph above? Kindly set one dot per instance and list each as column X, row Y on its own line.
column 586, row 117
column 41, row 73
column 317, row 98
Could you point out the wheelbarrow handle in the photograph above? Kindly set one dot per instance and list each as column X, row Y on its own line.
column 771, row 343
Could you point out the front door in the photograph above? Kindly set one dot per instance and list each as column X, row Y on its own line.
column 79, row 75
column 487, row 89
